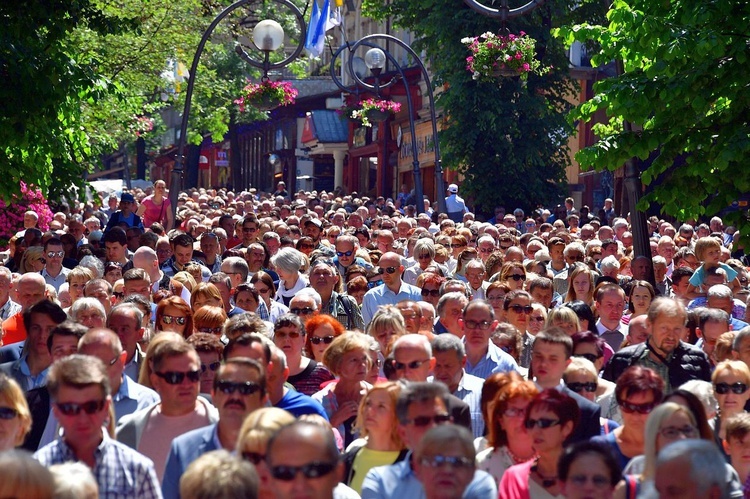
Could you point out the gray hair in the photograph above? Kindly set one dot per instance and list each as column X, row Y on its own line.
column 424, row 245
column 128, row 308
column 84, row 304
column 739, row 338
column 578, row 247
column 94, row 264
column 610, row 263
column 704, row 390
column 659, row 260
column 310, row 293
column 239, row 265
column 289, row 260
column 453, row 296
column 418, row 392
column 719, row 291
column 707, row 467
column 449, row 343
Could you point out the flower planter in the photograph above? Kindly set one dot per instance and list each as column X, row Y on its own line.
column 377, row 116
column 506, row 73
column 264, row 103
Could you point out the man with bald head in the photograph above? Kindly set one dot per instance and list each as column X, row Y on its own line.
column 127, row 395
column 393, row 289
column 29, row 291
column 145, row 258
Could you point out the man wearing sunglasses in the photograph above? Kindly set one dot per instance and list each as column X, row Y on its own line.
column 420, row 407
column 53, row 272
column 393, row 289
column 239, row 389
column 176, row 378
column 346, row 254
column 80, row 392
column 676, row 361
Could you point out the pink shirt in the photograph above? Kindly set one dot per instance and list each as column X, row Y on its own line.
column 155, row 212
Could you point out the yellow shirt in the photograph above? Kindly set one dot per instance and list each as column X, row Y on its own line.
column 365, row 460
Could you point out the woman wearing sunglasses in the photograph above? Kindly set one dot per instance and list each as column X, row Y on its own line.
column 15, row 418
column 305, row 374
column 731, row 380
column 173, row 314
column 423, row 254
column 210, row 350
column 550, row 418
column 252, row 442
column 513, row 274
column 638, row 390
column 268, row 309
column 321, row 331
column 581, row 377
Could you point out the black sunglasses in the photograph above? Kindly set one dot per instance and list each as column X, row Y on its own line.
column 430, row 292
column 8, row 413
column 317, row 340
column 541, row 423
column 253, row 457
column 521, row 308
column 517, row 277
column 301, row 311
column 724, row 388
column 425, row 420
column 73, row 409
column 579, row 387
column 245, row 387
column 639, row 408
column 311, row 470
column 416, row 364
column 588, row 356
column 390, row 270
column 169, row 318
column 212, row 366
column 177, row 377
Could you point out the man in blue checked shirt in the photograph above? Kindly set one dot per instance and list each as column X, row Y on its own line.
column 80, row 392
column 483, row 357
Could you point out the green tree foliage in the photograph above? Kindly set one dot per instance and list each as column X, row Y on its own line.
column 509, row 140
column 684, row 89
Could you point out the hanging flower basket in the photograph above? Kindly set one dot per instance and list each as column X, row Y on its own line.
column 266, row 95
column 141, row 125
column 374, row 111
column 502, row 55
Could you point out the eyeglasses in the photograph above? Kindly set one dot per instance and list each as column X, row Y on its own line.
column 422, row 421
column 374, row 284
column 317, row 340
column 8, row 413
column 311, row 470
column 177, row 377
column 517, row 277
column 496, row 298
column 390, row 270
column 629, row 408
column 724, row 388
column 210, row 330
column 530, row 224
column 514, row 412
column 302, row 311
column 541, row 423
column 212, row 366
column 244, row 388
column 168, row 319
column 55, row 254
column 451, row 461
column 527, row 309
column 588, row 356
column 416, row 364
column 481, row 325
column 253, row 457
column 42, row 260
column 579, row 387
column 282, row 335
column 671, row 432
column 73, row 409
column 344, row 253
column 430, row 292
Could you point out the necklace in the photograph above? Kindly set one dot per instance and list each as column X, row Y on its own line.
column 547, row 481
column 519, row 460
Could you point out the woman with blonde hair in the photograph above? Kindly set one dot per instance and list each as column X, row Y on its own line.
column 731, row 380
column 15, row 417
column 386, row 325
column 204, row 294
column 581, row 285
column 564, row 318
column 209, row 319
column 186, row 280
column 348, row 359
column 377, row 424
column 252, row 442
column 33, row 260
column 513, row 274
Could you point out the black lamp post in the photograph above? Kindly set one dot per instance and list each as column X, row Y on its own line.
column 268, row 36
column 375, row 59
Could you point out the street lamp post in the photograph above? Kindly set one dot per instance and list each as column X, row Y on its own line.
column 375, row 59
column 268, row 37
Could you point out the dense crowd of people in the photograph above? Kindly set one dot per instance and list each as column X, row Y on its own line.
column 335, row 346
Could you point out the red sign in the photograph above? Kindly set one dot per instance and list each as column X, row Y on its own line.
column 308, row 132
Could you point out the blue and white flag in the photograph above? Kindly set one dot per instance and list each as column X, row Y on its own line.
column 312, row 28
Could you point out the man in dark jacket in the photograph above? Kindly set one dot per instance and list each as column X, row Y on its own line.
column 664, row 351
